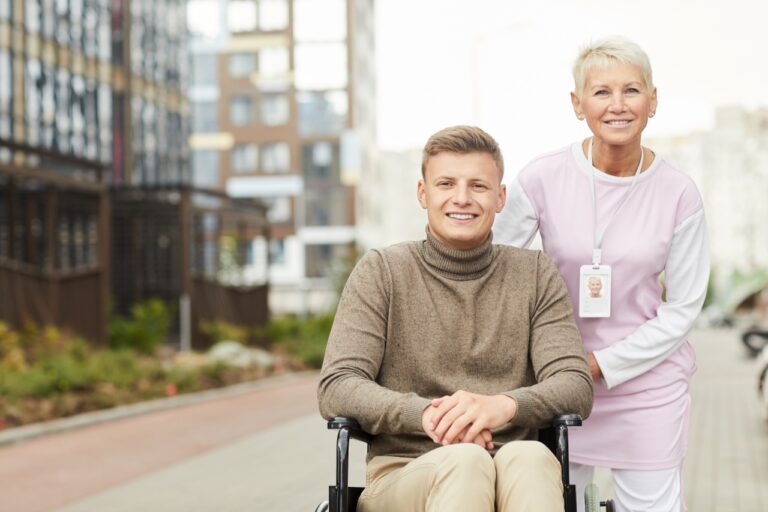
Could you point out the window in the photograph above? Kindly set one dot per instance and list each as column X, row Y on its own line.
column 276, row 157
column 321, row 66
column 320, row 161
column 202, row 18
column 6, row 94
column 321, row 113
column 273, row 15
column 320, row 258
column 307, row 15
column 275, row 109
column 205, row 168
column 244, row 158
column 241, row 110
column 279, row 209
column 6, row 11
column 204, row 69
column 241, row 16
column 277, row 251
column 326, row 206
column 274, row 61
column 32, row 11
column 205, row 116
column 241, row 65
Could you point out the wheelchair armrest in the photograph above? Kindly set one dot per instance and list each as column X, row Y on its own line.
column 352, row 426
column 568, row 420
column 340, row 498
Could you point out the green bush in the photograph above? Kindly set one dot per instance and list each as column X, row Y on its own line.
column 223, row 331
column 145, row 331
column 303, row 338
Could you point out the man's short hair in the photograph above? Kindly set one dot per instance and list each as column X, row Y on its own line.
column 461, row 139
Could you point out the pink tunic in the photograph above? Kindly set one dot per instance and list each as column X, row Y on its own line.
column 641, row 409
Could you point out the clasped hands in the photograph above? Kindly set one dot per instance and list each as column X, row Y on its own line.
column 465, row 417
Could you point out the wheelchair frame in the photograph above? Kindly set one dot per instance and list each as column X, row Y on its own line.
column 343, row 498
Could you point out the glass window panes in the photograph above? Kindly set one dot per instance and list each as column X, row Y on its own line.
column 240, row 110
column 241, row 65
column 319, row 20
column 273, row 14
column 275, row 157
column 277, row 251
column 241, row 16
column 203, row 18
column 274, row 61
column 275, row 109
column 320, row 161
column 32, row 11
column 205, row 168
column 204, row 69
column 321, row 113
column 6, row 93
column 321, row 66
column 205, row 116
column 244, row 158
column 6, row 10
column 279, row 209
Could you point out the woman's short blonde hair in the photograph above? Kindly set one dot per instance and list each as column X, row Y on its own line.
column 462, row 139
column 605, row 52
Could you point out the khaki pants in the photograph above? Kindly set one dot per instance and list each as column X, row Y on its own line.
column 524, row 476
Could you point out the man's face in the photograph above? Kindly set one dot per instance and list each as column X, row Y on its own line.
column 462, row 194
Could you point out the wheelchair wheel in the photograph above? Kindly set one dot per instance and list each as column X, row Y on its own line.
column 323, row 507
column 592, row 498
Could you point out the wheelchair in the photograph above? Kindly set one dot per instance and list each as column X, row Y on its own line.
column 343, row 498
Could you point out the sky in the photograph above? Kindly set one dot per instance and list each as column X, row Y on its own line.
column 505, row 65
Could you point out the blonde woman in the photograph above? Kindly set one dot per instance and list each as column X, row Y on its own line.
column 608, row 207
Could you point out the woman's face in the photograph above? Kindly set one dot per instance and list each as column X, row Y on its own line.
column 616, row 104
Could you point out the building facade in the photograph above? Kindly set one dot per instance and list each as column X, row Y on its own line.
column 282, row 96
column 92, row 106
column 730, row 166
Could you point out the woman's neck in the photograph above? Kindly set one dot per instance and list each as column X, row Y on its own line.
column 617, row 161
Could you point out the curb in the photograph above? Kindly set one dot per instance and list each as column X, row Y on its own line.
column 26, row 432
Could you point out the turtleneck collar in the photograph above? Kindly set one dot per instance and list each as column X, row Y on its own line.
column 457, row 264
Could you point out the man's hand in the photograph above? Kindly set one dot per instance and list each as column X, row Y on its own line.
column 466, row 415
column 597, row 374
column 484, row 439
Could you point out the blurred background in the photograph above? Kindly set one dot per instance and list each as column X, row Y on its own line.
column 175, row 174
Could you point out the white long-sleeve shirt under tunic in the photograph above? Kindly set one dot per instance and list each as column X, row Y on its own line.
column 641, row 410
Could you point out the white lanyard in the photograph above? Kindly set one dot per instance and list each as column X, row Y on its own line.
column 598, row 243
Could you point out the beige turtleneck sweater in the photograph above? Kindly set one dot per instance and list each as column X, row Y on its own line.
column 419, row 320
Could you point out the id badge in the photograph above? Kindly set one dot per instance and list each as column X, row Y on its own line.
column 595, row 291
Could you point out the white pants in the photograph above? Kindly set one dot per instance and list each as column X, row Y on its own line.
column 635, row 490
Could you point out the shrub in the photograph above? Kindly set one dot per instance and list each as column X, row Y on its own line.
column 145, row 331
column 303, row 338
column 223, row 331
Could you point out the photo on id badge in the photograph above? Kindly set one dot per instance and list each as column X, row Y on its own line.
column 595, row 291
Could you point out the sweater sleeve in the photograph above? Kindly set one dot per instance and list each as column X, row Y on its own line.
column 354, row 355
column 563, row 381
column 517, row 223
column 687, row 274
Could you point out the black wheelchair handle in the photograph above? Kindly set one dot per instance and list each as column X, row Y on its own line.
column 352, row 426
column 568, row 420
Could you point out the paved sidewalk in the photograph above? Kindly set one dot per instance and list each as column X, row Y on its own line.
column 727, row 464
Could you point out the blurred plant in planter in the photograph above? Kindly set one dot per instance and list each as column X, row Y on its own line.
column 146, row 329
column 216, row 331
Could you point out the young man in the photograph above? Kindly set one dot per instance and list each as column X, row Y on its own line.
column 452, row 351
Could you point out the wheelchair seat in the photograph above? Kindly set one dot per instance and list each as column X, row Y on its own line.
column 343, row 498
